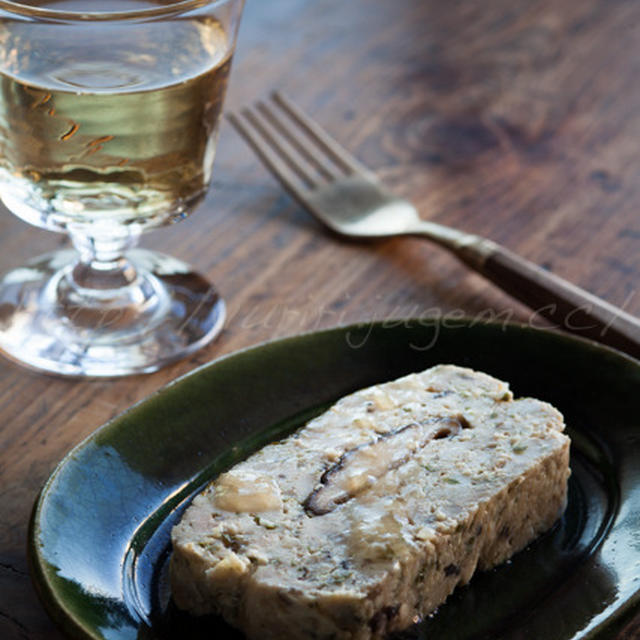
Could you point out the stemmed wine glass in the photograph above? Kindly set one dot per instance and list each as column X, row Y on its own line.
column 108, row 128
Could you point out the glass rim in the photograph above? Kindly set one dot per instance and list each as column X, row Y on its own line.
column 178, row 6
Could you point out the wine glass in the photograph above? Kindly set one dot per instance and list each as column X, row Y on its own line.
column 108, row 128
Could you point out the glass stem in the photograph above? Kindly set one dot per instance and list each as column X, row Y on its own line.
column 102, row 267
column 102, row 292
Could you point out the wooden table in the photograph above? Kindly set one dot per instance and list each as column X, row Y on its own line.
column 515, row 119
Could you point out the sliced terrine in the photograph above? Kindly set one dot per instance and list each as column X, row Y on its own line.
column 369, row 516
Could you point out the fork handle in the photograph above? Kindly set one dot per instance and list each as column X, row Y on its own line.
column 567, row 306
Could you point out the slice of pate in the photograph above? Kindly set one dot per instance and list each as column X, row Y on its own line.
column 369, row 516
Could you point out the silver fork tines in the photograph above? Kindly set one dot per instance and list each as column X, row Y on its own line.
column 293, row 146
column 320, row 173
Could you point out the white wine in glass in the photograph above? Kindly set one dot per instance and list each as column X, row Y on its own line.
column 108, row 128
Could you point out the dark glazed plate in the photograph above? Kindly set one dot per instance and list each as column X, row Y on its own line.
column 99, row 536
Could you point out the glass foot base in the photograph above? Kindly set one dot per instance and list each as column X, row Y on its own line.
column 165, row 313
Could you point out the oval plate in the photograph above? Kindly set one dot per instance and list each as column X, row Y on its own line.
column 99, row 535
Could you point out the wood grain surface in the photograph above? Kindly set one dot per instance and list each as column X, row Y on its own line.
column 515, row 119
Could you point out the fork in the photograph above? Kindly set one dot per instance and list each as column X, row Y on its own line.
column 349, row 199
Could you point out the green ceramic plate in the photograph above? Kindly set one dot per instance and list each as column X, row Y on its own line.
column 99, row 537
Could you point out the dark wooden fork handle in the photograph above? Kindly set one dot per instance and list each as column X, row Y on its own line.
column 566, row 306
